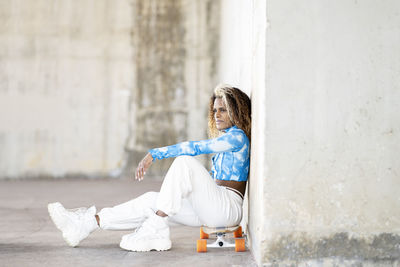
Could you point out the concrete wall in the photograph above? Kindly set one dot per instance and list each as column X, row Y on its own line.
column 175, row 67
column 66, row 74
column 242, row 64
column 325, row 172
column 88, row 86
column 332, row 135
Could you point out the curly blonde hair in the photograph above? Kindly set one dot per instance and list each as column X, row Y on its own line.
column 237, row 104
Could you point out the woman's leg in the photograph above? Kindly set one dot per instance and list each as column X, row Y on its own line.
column 187, row 183
column 186, row 215
column 188, row 179
column 77, row 224
column 131, row 214
column 128, row 215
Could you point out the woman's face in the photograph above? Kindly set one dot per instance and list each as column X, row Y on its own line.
column 221, row 116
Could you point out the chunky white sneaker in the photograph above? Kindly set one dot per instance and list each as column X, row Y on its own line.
column 153, row 234
column 76, row 224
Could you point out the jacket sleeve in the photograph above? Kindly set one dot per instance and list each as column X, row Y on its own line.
column 231, row 141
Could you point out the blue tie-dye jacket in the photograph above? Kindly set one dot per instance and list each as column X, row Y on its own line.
column 232, row 158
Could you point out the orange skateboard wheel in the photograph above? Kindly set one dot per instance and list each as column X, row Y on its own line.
column 202, row 234
column 239, row 245
column 201, row 245
column 238, row 232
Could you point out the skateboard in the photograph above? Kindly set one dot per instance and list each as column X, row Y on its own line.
column 221, row 242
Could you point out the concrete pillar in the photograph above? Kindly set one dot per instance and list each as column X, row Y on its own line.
column 332, row 132
column 242, row 64
column 324, row 173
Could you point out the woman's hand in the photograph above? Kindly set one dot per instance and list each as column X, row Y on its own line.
column 144, row 164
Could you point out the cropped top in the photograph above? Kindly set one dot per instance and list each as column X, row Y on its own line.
column 231, row 161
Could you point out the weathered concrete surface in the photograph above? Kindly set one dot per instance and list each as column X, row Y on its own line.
column 325, row 171
column 242, row 45
column 66, row 74
column 332, row 130
column 29, row 238
column 341, row 248
column 175, row 68
column 87, row 87
column 242, row 64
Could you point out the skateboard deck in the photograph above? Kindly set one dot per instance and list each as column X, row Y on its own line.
column 214, row 230
column 221, row 241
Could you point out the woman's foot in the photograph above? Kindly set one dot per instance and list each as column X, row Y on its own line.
column 75, row 225
column 153, row 234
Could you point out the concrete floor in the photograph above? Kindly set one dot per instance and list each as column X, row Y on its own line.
column 29, row 238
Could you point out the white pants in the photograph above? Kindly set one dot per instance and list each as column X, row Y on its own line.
column 188, row 195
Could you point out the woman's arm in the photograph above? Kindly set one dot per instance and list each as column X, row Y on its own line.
column 233, row 140
column 230, row 141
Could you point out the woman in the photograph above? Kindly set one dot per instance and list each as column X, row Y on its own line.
column 189, row 195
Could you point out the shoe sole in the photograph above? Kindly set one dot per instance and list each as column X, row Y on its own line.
column 53, row 209
column 156, row 244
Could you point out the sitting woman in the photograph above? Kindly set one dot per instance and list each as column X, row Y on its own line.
column 189, row 195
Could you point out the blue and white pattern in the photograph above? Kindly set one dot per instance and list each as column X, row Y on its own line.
column 232, row 158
